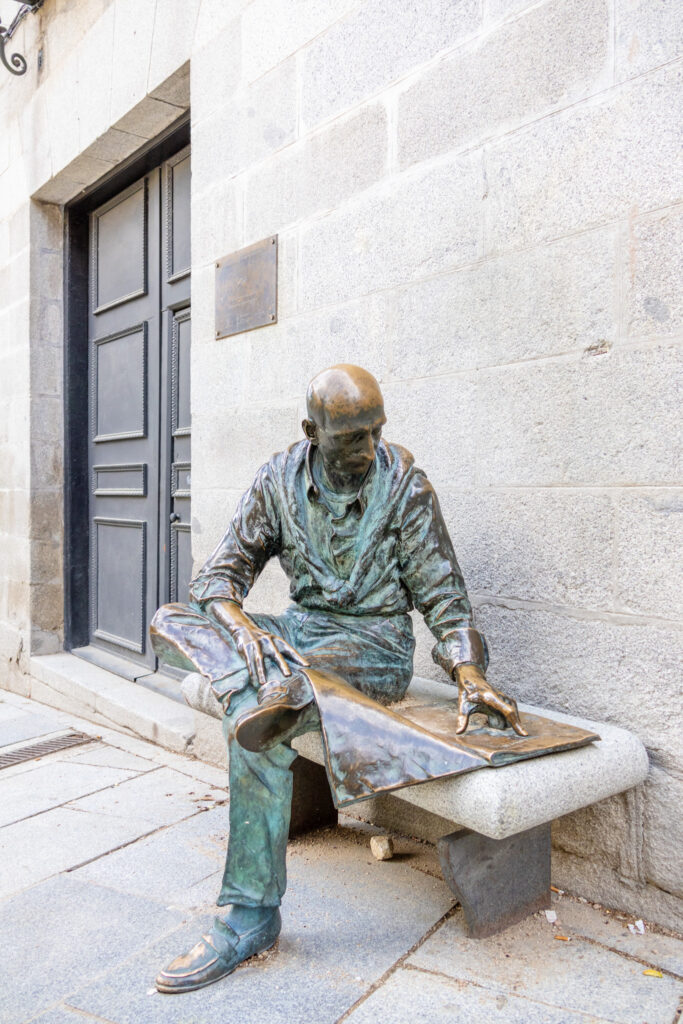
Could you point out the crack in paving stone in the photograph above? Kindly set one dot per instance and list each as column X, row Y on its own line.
column 129, row 842
column 629, row 956
column 398, row 964
column 72, row 803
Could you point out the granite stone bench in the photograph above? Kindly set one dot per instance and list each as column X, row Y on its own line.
column 497, row 858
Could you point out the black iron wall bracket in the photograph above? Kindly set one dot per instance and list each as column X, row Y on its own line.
column 15, row 62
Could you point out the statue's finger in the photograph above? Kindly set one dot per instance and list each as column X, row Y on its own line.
column 465, row 709
column 277, row 657
column 290, row 651
column 255, row 663
column 516, row 724
column 461, row 722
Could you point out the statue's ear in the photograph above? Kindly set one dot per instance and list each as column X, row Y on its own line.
column 310, row 429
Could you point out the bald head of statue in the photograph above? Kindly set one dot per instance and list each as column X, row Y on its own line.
column 345, row 419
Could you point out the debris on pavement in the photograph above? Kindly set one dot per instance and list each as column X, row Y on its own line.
column 382, row 847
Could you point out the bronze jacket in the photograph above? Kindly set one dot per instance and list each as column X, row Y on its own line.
column 402, row 554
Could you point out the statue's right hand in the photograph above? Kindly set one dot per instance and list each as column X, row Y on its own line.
column 253, row 643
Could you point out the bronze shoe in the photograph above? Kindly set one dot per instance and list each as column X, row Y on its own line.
column 281, row 704
column 219, row 953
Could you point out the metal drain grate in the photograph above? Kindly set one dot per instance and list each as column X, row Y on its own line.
column 47, row 746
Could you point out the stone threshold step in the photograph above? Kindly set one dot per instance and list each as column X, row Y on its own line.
column 69, row 683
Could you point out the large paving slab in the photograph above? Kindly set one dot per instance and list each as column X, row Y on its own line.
column 423, row 998
column 166, row 864
column 664, row 952
column 65, row 931
column 154, row 799
column 64, row 837
column 347, row 919
column 58, row 840
column 42, row 786
column 578, row 976
column 108, row 756
column 17, row 725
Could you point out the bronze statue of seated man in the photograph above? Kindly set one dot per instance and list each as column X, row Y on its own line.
column 358, row 531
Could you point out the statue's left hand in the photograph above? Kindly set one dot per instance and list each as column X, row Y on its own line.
column 475, row 695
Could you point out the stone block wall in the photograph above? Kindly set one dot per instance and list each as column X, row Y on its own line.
column 479, row 201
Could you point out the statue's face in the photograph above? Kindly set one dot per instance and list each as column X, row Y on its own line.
column 347, row 439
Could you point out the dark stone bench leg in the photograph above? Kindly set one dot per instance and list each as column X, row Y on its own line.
column 312, row 805
column 497, row 881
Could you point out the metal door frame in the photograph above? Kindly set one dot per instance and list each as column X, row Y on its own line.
column 76, row 281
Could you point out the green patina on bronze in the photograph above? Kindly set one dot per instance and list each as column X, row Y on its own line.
column 358, row 530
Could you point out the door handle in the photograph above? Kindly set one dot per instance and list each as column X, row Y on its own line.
column 174, row 517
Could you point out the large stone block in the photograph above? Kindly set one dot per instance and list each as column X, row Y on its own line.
column 608, row 833
column 62, row 97
column 548, row 300
column 95, row 69
column 587, row 421
column 411, row 227
column 586, row 166
column 217, row 222
column 422, row 414
column 213, row 16
column 663, row 834
column 318, row 174
column 172, row 39
column 255, row 122
column 64, row 29
column 47, row 606
column 653, row 270
column 287, row 273
column 240, row 441
column 47, row 423
column 304, row 345
column 649, row 539
column 203, row 312
column 290, row 26
column 589, row 667
column 133, row 34
column 215, row 70
column 14, row 512
column 551, row 545
column 219, row 381
column 553, row 56
column 47, row 465
column 34, row 126
column 148, row 118
column 375, row 45
column 647, row 35
column 212, row 510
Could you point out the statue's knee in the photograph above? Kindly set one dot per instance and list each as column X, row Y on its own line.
column 167, row 615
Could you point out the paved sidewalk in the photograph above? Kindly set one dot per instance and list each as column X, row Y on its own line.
column 110, row 861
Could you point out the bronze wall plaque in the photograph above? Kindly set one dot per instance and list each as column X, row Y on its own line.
column 246, row 288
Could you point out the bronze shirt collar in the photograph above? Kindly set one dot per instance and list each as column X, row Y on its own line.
column 313, row 491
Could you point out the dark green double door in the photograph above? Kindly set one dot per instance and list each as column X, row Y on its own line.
column 139, row 410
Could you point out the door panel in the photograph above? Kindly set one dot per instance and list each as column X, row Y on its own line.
column 120, row 381
column 139, row 329
column 118, row 243
column 177, row 189
column 119, row 567
column 181, row 468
